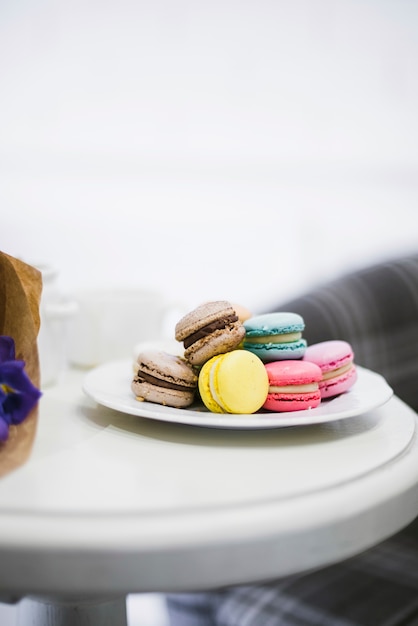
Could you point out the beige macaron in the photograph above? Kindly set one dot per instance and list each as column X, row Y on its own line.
column 210, row 329
column 164, row 379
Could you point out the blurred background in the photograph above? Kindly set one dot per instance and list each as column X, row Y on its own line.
column 223, row 149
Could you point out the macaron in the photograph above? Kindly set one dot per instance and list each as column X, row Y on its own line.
column 293, row 386
column 210, row 329
column 242, row 312
column 275, row 336
column 164, row 379
column 235, row 382
column 335, row 358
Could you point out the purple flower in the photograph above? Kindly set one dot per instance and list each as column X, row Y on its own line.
column 18, row 395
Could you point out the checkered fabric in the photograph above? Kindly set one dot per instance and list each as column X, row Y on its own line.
column 376, row 310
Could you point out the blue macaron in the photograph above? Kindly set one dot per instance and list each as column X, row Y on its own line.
column 275, row 336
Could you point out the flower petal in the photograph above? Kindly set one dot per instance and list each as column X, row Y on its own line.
column 18, row 395
column 4, row 430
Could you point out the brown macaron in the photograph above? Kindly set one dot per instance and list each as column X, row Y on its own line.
column 210, row 329
column 163, row 378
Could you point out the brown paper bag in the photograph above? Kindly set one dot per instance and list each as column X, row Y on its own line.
column 20, row 294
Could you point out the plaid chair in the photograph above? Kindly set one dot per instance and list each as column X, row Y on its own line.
column 376, row 310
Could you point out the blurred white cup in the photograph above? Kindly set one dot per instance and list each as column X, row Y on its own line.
column 56, row 311
column 109, row 322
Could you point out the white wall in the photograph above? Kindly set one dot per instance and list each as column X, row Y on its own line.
column 227, row 148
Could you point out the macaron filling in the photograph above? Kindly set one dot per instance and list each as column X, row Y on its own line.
column 276, row 338
column 166, row 384
column 289, row 389
column 209, row 329
column 339, row 371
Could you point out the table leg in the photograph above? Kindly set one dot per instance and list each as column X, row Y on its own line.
column 51, row 611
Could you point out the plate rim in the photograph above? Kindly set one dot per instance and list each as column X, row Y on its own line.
column 206, row 419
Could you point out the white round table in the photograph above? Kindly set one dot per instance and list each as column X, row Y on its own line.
column 111, row 503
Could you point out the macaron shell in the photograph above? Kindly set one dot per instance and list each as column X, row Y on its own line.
column 269, row 352
column 235, row 382
column 338, row 385
column 292, row 373
column 204, row 386
column 201, row 316
column 282, row 402
column 329, row 355
column 162, row 395
column 278, row 323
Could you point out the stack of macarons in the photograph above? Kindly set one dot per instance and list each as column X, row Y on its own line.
column 235, row 362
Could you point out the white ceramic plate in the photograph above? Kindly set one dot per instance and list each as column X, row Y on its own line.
column 109, row 385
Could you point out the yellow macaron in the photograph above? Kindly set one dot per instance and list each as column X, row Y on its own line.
column 234, row 382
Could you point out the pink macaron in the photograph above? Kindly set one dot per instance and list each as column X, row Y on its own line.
column 335, row 358
column 293, row 386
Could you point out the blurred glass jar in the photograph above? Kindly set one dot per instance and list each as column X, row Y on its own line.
column 56, row 311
